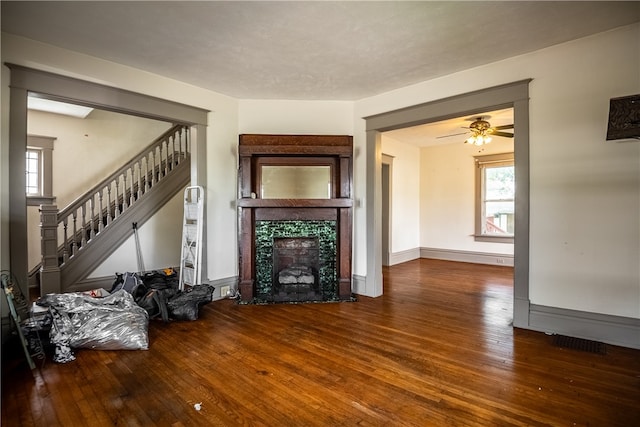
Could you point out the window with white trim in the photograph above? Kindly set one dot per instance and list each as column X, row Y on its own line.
column 34, row 172
column 495, row 198
column 38, row 169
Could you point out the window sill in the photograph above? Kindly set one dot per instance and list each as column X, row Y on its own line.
column 493, row 239
column 40, row 200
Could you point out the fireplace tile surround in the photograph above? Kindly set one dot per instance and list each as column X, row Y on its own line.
column 267, row 232
column 264, row 222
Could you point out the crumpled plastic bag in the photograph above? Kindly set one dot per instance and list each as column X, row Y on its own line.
column 114, row 322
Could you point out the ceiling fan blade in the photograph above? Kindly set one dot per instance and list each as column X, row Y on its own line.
column 453, row 134
column 503, row 127
column 504, row 134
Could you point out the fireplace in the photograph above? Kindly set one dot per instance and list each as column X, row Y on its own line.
column 295, row 243
column 296, row 264
column 295, row 218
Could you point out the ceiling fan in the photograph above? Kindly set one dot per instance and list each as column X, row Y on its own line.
column 482, row 131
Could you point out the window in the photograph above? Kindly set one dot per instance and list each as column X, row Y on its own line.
column 495, row 198
column 34, row 172
column 39, row 170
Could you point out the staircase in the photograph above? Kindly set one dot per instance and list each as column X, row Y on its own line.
column 76, row 239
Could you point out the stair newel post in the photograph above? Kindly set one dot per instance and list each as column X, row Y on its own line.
column 50, row 266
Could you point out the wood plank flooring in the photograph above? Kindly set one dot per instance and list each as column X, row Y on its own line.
column 437, row 349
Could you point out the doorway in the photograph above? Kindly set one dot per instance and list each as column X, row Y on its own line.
column 515, row 95
column 387, row 162
column 27, row 82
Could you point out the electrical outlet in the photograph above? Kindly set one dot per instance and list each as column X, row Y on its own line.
column 500, row 261
column 224, row 291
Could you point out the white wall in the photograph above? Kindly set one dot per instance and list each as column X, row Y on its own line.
column 585, row 232
column 160, row 247
column 295, row 117
column 405, row 195
column 447, row 197
column 222, row 133
column 585, row 198
column 87, row 150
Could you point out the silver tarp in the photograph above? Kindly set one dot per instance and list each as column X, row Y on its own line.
column 114, row 322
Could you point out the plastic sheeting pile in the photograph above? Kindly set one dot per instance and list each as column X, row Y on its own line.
column 114, row 322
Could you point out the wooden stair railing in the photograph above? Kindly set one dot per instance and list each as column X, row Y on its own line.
column 91, row 214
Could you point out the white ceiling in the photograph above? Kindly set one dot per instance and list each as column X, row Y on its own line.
column 452, row 131
column 345, row 50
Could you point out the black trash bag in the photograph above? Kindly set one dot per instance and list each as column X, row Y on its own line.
column 130, row 282
column 160, row 279
column 159, row 288
column 186, row 305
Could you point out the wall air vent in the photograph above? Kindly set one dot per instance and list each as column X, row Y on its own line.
column 624, row 118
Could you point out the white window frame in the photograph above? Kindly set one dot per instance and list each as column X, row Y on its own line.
column 34, row 155
column 44, row 146
column 482, row 163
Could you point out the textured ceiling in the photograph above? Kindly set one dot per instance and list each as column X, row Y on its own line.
column 309, row 50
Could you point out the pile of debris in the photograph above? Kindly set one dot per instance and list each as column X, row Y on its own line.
column 119, row 319
column 157, row 292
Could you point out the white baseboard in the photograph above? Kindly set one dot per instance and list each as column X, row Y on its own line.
column 404, row 256
column 358, row 284
column 218, row 284
column 610, row 329
column 467, row 256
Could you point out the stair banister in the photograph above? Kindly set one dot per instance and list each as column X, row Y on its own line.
column 123, row 188
column 111, row 178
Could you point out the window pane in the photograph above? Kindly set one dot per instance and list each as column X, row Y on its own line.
column 499, row 183
column 33, row 173
column 499, row 218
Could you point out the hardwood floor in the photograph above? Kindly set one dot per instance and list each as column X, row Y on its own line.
column 437, row 349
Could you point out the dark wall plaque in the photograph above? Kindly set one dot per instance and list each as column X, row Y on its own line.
column 624, row 118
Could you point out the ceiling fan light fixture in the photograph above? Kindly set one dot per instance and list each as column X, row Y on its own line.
column 478, row 139
column 480, row 128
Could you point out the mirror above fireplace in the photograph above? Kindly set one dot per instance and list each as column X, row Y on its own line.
column 295, row 182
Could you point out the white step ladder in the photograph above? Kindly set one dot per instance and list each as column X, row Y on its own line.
column 190, row 257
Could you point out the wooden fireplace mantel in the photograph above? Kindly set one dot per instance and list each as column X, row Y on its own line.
column 295, row 150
